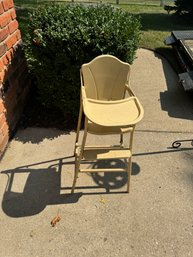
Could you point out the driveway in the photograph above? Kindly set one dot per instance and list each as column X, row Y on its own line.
column 100, row 219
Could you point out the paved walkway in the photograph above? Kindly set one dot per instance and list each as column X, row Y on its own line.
column 154, row 220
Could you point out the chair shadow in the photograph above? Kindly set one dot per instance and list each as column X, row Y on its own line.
column 109, row 181
column 35, row 189
column 112, row 180
column 30, row 190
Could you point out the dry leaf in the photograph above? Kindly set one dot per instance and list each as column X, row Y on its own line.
column 56, row 219
column 103, row 200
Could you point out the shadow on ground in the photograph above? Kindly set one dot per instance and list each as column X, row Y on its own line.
column 31, row 188
column 42, row 186
column 165, row 22
column 38, row 135
column 177, row 102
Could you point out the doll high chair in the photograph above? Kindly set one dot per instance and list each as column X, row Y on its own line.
column 110, row 107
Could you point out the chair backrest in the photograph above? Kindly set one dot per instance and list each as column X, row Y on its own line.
column 104, row 78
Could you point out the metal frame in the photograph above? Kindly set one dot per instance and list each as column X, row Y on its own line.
column 177, row 143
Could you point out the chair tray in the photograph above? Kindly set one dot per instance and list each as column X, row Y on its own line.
column 124, row 112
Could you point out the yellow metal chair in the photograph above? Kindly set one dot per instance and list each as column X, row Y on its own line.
column 110, row 107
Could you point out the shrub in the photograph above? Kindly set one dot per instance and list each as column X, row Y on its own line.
column 63, row 37
column 184, row 6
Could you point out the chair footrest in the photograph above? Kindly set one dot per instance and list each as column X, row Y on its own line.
column 103, row 170
column 106, row 153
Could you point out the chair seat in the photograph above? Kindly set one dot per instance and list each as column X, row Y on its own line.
column 104, row 130
column 126, row 112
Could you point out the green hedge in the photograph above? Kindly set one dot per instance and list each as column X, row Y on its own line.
column 63, row 37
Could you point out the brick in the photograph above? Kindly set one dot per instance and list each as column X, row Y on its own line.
column 12, row 13
column 3, row 143
column 4, row 34
column 1, row 65
column 5, row 4
column 14, row 39
column 9, row 43
column 9, row 54
column 5, row 129
column 1, row 8
column 5, row 60
column 10, row 3
column 2, row 76
column 13, row 26
column 3, row 20
column 2, row 107
column 11, row 40
column 3, row 49
column 8, row 17
column 2, row 119
column 18, row 34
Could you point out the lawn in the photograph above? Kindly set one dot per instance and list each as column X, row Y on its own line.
column 157, row 23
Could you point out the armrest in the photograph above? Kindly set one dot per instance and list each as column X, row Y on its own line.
column 83, row 93
column 129, row 90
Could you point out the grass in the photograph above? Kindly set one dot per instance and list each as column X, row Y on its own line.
column 157, row 24
column 143, row 2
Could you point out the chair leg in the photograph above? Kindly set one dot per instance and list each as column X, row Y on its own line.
column 129, row 167
column 121, row 139
column 75, row 175
column 131, row 139
column 78, row 126
column 78, row 157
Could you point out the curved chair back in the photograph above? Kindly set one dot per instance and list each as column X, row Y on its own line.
column 104, row 78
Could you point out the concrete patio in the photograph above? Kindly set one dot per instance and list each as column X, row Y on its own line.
column 100, row 219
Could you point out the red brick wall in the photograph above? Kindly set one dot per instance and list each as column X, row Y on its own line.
column 14, row 77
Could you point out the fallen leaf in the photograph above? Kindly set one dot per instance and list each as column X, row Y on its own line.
column 103, row 200
column 55, row 220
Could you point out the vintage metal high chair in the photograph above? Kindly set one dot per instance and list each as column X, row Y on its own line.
column 104, row 84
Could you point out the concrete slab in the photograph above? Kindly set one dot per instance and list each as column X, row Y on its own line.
column 100, row 219
column 167, row 106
